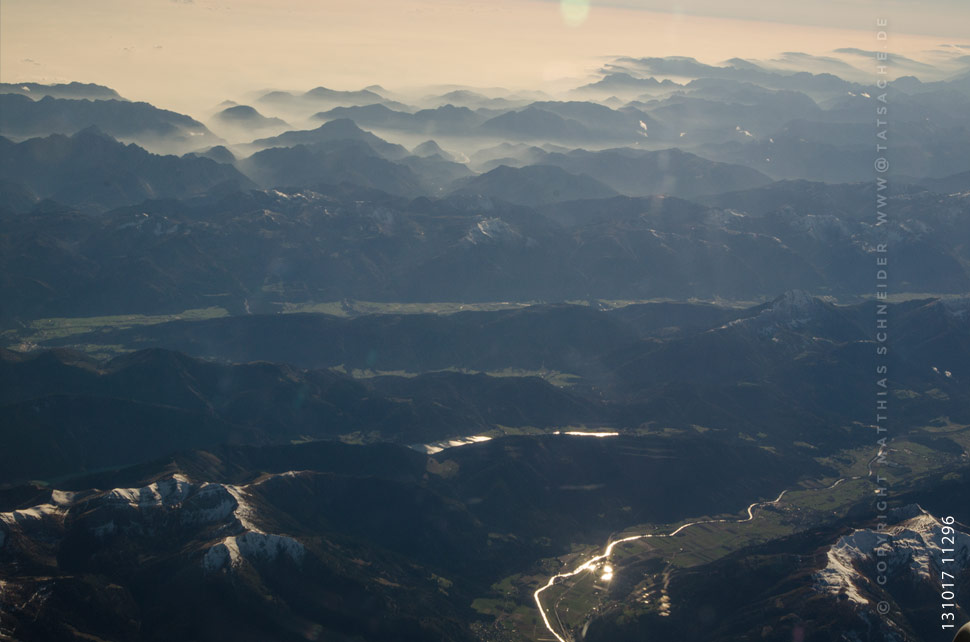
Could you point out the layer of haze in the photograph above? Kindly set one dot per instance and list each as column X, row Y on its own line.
column 190, row 55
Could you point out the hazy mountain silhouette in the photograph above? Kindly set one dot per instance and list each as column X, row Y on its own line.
column 335, row 162
column 533, row 185
column 446, row 119
column 385, row 377
column 318, row 96
column 72, row 90
column 93, row 171
column 335, row 130
column 671, row 171
column 143, row 123
column 248, row 117
column 533, row 123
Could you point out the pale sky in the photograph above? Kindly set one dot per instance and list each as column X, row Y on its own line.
column 189, row 55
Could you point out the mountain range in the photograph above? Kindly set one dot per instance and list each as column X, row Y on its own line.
column 160, row 129
column 632, row 356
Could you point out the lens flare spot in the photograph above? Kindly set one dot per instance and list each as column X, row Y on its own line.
column 574, row 12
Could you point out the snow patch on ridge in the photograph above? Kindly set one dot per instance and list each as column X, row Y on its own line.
column 244, row 511
column 213, row 503
column 34, row 513
column 177, row 501
column 231, row 551
column 16, row 521
column 793, row 309
column 911, row 544
column 168, row 492
column 254, row 543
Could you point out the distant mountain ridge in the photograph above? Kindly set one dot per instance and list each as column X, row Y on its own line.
column 246, row 116
column 93, row 171
column 141, row 122
column 342, row 241
column 318, row 96
column 334, row 130
column 533, row 185
column 593, row 359
column 72, row 90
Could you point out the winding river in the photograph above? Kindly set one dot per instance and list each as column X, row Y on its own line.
column 591, row 563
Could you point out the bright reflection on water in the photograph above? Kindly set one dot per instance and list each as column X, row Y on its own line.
column 438, row 446
column 580, row 433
